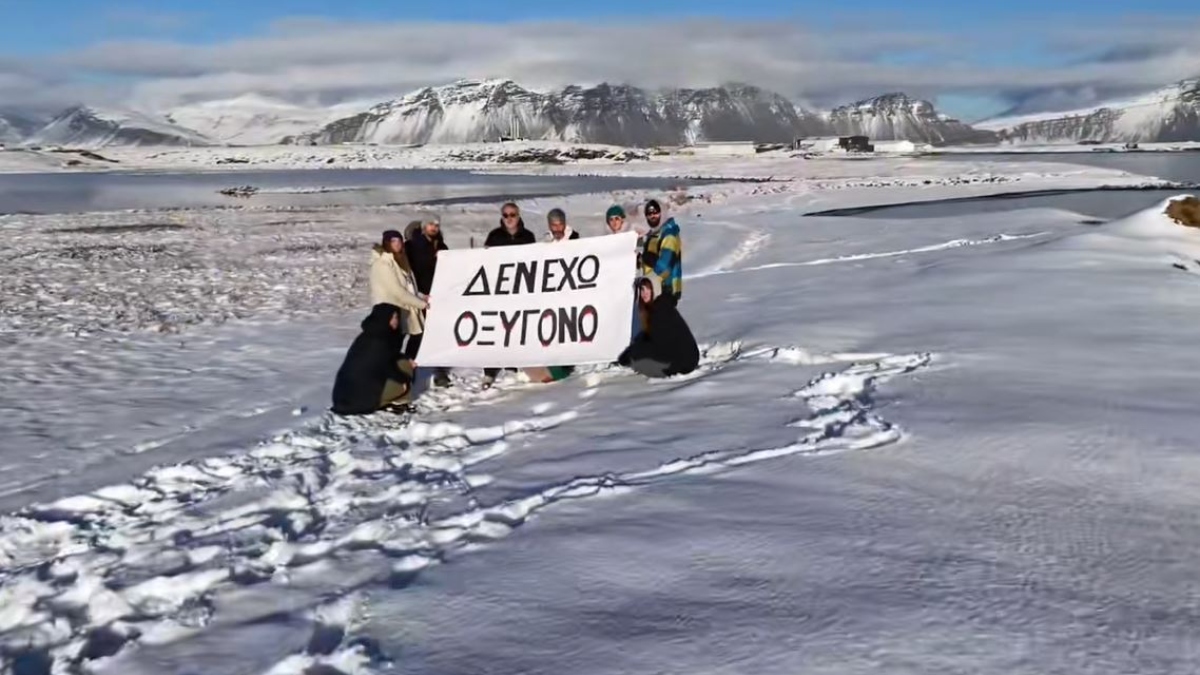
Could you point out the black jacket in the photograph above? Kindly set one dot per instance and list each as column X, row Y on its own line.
column 422, row 255
column 668, row 340
column 501, row 237
column 370, row 362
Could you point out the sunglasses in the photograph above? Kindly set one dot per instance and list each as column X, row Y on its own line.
column 653, row 213
column 509, row 214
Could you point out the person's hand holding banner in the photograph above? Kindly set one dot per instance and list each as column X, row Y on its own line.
column 539, row 305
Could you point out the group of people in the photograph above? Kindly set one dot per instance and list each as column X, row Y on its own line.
column 380, row 367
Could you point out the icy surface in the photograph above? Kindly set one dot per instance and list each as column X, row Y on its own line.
column 946, row 445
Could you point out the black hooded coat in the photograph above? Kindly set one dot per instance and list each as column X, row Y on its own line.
column 370, row 362
column 666, row 346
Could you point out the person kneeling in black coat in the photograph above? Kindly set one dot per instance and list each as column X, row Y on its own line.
column 375, row 373
column 665, row 345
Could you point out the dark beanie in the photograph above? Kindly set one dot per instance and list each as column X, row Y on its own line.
column 653, row 205
column 391, row 234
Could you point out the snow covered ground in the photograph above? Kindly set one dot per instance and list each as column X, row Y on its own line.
column 1036, row 148
column 499, row 157
column 939, row 445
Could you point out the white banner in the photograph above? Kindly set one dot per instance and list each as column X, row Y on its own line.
column 543, row 304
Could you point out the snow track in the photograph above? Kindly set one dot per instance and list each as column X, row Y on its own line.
column 751, row 244
column 858, row 257
column 185, row 548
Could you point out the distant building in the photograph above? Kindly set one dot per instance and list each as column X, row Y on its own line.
column 901, row 147
column 856, row 144
column 514, row 131
column 724, row 148
column 834, row 144
column 816, row 144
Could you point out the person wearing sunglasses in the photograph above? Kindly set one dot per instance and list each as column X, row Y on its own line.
column 511, row 232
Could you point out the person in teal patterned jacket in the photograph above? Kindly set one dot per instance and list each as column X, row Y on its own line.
column 662, row 252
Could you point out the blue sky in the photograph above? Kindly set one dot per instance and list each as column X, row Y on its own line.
column 38, row 27
column 999, row 36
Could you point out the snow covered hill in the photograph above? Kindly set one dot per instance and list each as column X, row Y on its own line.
column 16, row 127
column 473, row 110
column 895, row 116
column 89, row 127
column 1170, row 114
column 488, row 110
column 253, row 119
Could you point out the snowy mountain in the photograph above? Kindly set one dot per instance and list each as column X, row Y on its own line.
column 16, row 127
column 1170, row 114
column 895, row 116
column 472, row 110
column 253, row 119
column 84, row 126
column 488, row 110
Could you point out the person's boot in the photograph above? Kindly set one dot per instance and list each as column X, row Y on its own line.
column 402, row 405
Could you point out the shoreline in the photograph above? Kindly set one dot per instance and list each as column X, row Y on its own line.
column 515, row 158
column 861, row 181
column 1000, row 196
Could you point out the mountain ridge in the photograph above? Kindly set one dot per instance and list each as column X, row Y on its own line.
column 618, row 114
column 1165, row 115
column 89, row 126
column 897, row 116
column 252, row 118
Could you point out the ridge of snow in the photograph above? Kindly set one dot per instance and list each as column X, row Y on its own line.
column 1154, row 223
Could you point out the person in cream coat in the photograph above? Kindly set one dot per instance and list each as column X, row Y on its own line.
column 392, row 282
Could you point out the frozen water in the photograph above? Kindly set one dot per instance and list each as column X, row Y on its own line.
column 114, row 191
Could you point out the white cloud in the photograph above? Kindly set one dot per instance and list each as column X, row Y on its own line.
column 142, row 19
column 319, row 58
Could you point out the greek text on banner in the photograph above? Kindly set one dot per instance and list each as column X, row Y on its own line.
column 545, row 304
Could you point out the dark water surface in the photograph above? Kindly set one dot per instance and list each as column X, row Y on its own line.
column 1100, row 204
column 96, row 191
